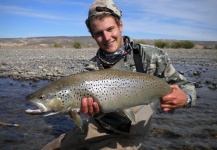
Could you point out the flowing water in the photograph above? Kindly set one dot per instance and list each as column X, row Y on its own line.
column 194, row 128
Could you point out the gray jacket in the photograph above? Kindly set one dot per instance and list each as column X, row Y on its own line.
column 155, row 62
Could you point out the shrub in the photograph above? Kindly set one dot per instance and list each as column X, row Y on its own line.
column 139, row 42
column 176, row 45
column 161, row 44
column 76, row 45
column 182, row 44
column 58, row 45
column 187, row 44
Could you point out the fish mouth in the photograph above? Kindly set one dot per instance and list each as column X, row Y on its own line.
column 41, row 108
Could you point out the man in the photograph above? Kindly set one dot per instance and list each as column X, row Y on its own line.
column 114, row 130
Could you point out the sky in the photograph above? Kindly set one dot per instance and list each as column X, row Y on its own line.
column 142, row 19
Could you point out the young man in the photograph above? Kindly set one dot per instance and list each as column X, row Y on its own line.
column 114, row 130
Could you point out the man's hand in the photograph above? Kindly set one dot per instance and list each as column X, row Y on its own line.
column 176, row 99
column 88, row 106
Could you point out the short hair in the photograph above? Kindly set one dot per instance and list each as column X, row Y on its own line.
column 100, row 17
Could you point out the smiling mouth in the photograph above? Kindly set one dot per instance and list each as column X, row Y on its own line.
column 109, row 44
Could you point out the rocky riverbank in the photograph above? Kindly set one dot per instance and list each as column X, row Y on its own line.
column 36, row 64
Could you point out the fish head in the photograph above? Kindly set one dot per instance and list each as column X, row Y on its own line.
column 46, row 102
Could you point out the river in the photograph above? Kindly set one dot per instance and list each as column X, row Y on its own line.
column 193, row 128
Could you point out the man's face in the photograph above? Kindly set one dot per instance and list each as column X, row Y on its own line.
column 107, row 34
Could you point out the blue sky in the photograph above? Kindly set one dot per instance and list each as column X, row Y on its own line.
column 143, row 19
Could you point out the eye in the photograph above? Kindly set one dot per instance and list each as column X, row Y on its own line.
column 41, row 97
column 110, row 29
column 97, row 34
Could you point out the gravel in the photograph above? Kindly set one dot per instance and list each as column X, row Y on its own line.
column 54, row 63
column 36, row 64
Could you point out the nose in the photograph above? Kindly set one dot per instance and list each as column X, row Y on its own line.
column 106, row 36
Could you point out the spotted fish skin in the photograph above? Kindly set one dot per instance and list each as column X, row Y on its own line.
column 112, row 89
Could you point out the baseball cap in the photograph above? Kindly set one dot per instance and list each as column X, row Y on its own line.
column 104, row 6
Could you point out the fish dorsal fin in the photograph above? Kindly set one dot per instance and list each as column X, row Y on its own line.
column 120, row 65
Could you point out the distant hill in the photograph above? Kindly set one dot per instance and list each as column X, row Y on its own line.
column 85, row 41
column 47, row 42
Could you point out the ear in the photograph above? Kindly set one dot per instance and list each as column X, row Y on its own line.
column 120, row 25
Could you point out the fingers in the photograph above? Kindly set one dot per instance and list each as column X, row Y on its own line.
column 174, row 100
column 166, row 108
column 167, row 102
column 170, row 96
column 84, row 106
column 88, row 106
column 95, row 108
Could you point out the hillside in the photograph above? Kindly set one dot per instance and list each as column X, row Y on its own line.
column 85, row 41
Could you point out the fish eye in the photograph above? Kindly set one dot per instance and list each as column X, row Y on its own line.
column 41, row 97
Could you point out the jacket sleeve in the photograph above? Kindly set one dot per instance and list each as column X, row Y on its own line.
column 158, row 63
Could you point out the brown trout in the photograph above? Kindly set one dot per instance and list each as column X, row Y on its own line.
column 112, row 89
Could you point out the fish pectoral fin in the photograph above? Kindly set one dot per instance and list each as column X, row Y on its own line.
column 130, row 114
column 77, row 119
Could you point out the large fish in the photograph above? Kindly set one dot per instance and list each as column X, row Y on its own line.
column 112, row 89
